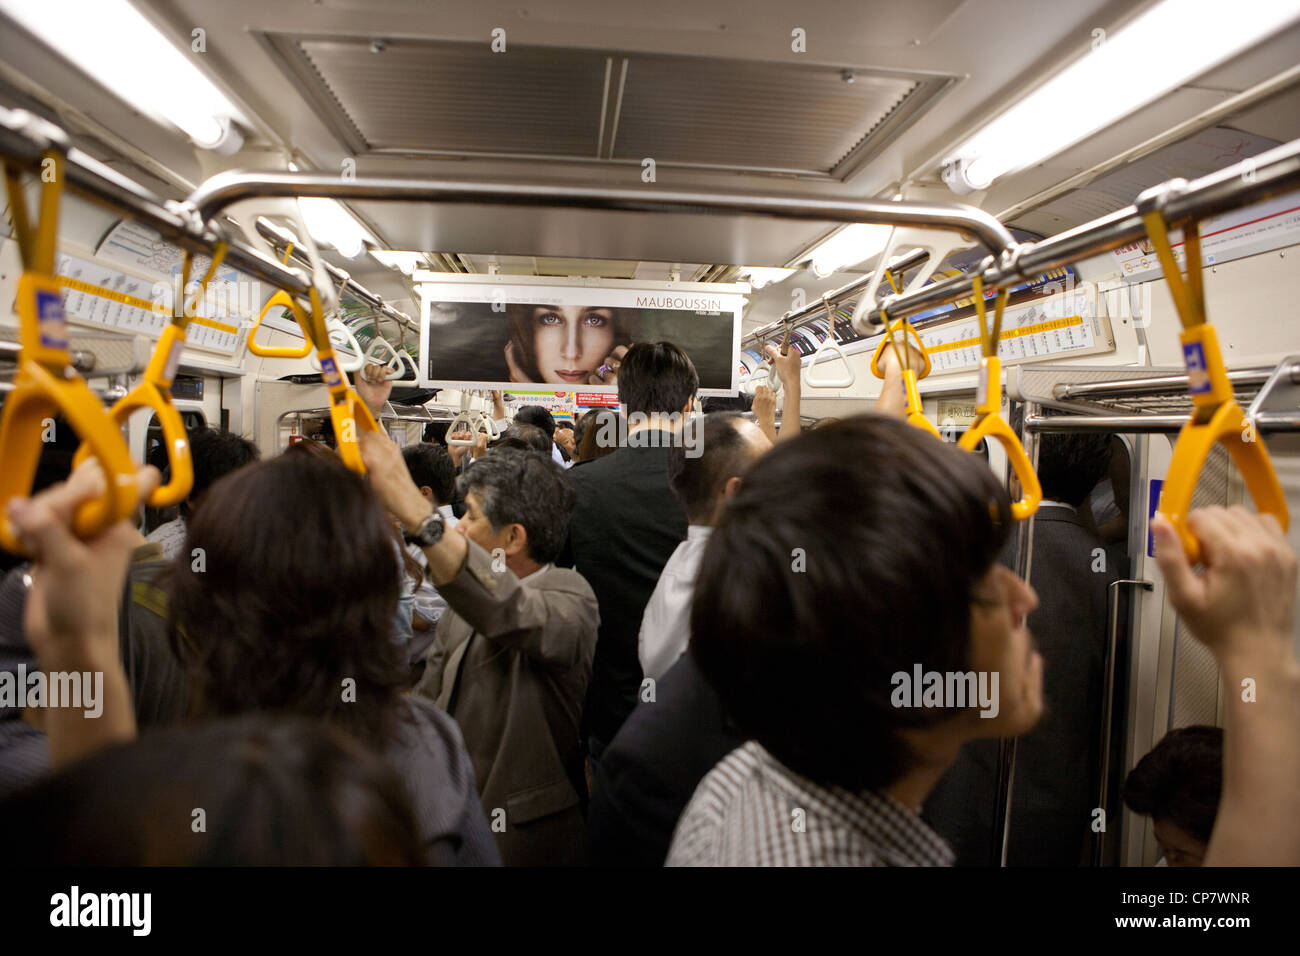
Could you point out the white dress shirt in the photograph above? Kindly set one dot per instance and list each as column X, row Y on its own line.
column 666, row 624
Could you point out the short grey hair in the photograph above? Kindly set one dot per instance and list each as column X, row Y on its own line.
column 523, row 487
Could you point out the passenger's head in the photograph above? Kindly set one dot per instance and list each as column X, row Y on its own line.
column 565, row 345
column 657, row 377
column 743, row 402
column 600, row 431
column 526, row 437
column 518, row 501
column 853, row 554
column 1071, row 463
column 564, row 437
column 1177, row 785
column 728, row 443
column 272, row 791
column 536, row 415
column 432, row 470
column 284, row 595
column 215, row 453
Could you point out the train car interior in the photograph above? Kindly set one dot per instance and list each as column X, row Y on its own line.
column 1058, row 239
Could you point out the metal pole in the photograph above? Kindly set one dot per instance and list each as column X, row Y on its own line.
column 815, row 309
column 1108, row 704
column 1267, row 175
column 219, row 191
column 1007, row 752
column 1147, row 424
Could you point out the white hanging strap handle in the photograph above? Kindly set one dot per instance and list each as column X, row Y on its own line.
column 344, row 342
column 938, row 244
column 393, row 363
column 831, row 347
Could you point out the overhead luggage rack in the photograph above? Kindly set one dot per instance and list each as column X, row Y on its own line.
column 1147, row 400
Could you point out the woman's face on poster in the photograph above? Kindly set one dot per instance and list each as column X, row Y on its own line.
column 571, row 342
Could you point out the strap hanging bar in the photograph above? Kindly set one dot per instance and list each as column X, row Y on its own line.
column 1216, row 417
column 46, row 383
column 989, row 422
column 1272, row 173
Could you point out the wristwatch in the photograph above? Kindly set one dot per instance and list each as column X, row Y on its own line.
column 428, row 533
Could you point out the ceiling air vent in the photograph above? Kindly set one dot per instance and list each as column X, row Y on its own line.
column 434, row 98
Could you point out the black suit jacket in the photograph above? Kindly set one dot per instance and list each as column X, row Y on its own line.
column 1058, row 762
column 649, row 772
column 626, row 524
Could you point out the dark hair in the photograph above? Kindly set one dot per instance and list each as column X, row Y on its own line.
column 656, row 377
column 436, row 432
column 744, row 402
column 523, row 487
column 536, row 415
column 1180, row 780
column 590, row 447
column 523, row 331
column 431, row 467
column 527, row 437
column 285, row 791
column 296, row 594
column 849, row 554
column 1071, row 463
column 566, row 425
column 216, row 453
column 724, row 453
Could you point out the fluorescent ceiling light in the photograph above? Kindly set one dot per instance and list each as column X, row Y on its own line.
column 1157, row 52
column 760, row 276
column 407, row 262
column 848, row 247
column 110, row 41
column 331, row 224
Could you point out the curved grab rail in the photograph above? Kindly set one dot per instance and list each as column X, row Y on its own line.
column 46, row 384
column 154, row 391
column 988, row 410
column 1216, row 417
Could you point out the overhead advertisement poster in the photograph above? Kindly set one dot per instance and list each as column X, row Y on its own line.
column 569, row 338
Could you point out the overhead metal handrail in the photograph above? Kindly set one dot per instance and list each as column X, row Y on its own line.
column 219, row 191
column 1269, row 174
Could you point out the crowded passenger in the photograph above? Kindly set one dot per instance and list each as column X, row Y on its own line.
column 1058, row 762
column 214, row 454
column 1178, row 785
column 816, row 623
column 627, row 522
column 513, row 654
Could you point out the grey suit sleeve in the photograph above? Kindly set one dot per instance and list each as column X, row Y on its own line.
column 547, row 624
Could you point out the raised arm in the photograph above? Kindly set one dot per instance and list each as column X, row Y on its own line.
column 789, row 370
column 71, row 616
column 1243, row 609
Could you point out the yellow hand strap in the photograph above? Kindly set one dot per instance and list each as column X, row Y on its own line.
column 348, row 412
column 154, row 390
column 1216, row 417
column 46, row 384
column 989, row 423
